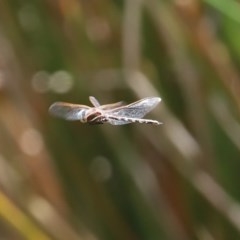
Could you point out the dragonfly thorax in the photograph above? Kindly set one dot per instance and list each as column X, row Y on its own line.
column 94, row 116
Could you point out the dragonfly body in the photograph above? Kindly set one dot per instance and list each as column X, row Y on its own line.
column 115, row 113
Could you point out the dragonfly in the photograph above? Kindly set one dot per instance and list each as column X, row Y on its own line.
column 114, row 113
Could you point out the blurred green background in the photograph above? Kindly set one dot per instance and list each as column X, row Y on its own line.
column 68, row 180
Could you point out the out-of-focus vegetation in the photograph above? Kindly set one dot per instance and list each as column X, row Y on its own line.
column 67, row 180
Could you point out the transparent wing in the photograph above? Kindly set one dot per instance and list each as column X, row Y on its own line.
column 111, row 105
column 137, row 109
column 94, row 101
column 68, row 111
column 118, row 121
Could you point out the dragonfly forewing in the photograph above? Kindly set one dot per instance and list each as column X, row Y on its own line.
column 94, row 101
column 137, row 109
column 69, row 111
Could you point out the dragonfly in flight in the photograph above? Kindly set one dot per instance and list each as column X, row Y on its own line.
column 115, row 113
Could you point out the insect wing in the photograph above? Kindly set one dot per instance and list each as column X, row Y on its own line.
column 96, row 104
column 137, row 109
column 68, row 111
column 115, row 121
column 111, row 105
column 94, row 101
